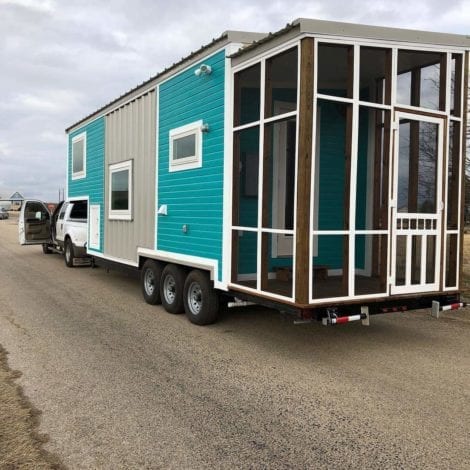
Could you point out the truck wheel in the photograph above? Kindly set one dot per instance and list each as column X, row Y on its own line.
column 201, row 301
column 150, row 280
column 45, row 249
column 171, row 288
column 68, row 253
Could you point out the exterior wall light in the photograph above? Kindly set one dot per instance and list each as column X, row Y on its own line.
column 205, row 128
column 203, row 70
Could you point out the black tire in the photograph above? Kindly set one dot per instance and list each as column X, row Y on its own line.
column 45, row 249
column 201, row 301
column 171, row 288
column 150, row 278
column 68, row 253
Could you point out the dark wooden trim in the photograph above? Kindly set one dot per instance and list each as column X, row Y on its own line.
column 415, row 87
column 266, row 203
column 268, row 90
column 413, row 167
column 350, row 65
column 304, row 167
column 442, row 82
column 388, row 77
column 414, row 143
column 454, row 158
column 462, row 169
column 376, row 195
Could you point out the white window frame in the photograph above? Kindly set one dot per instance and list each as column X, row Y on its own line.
column 120, row 214
column 79, row 174
column 193, row 161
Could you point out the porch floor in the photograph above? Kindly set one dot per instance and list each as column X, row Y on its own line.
column 322, row 288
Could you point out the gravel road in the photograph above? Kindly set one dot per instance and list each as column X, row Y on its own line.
column 125, row 385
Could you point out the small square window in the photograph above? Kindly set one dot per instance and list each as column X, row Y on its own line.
column 186, row 147
column 79, row 156
column 120, row 191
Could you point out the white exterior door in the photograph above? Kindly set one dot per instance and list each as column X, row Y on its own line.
column 417, row 205
column 94, row 233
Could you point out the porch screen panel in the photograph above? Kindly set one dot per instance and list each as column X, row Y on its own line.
column 330, row 266
column 245, row 191
column 373, row 166
column 421, row 79
column 451, row 260
column 279, row 170
column 456, row 85
column 375, row 76
column 331, row 200
column 281, row 83
column 372, row 201
column 332, row 162
column 453, row 176
column 264, row 183
column 335, row 70
column 417, row 174
column 244, row 260
column 454, row 172
column 247, row 95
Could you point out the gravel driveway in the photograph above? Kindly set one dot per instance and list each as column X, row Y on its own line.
column 122, row 384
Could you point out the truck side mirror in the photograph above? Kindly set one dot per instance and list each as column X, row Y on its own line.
column 38, row 215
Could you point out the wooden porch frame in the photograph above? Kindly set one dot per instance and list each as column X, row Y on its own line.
column 304, row 167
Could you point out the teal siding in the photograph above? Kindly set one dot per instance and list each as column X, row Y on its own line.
column 93, row 184
column 195, row 196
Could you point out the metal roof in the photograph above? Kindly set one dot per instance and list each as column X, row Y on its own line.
column 226, row 37
column 335, row 28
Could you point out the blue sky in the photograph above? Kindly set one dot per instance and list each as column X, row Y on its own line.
column 61, row 60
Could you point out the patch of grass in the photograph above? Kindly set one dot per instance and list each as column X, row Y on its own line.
column 20, row 443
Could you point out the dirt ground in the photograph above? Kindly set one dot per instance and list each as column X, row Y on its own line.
column 122, row 384
column 21, row 446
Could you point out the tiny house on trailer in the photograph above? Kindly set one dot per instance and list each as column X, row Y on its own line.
column 320, row 166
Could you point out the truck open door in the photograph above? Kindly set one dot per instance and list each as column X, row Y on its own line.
column 34, row 224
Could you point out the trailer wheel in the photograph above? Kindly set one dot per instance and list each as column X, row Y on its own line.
column 201, row 301
column 171, row 288
column 45, row 249
column 150, row 281
column 68, row 253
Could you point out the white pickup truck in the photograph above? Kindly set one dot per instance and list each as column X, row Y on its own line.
column 63, row 231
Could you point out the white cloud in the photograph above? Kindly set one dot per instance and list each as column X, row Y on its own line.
column 4, row 150
column 39, row 5
column 61, row 61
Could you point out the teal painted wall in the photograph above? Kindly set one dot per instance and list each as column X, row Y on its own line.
column 194, row 197
column 93, row 184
